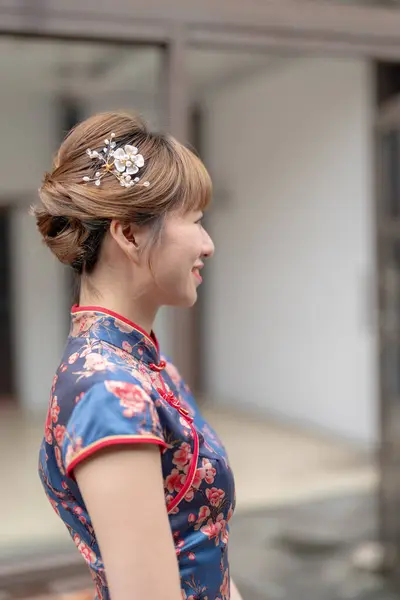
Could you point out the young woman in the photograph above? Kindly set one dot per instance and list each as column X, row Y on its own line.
column 140, row 479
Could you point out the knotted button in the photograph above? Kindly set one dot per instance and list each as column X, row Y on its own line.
column 175, row 403
column 158, row 368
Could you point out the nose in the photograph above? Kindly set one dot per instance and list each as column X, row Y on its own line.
column 208, row 246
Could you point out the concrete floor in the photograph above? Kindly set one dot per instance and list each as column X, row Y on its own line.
column 306, row 551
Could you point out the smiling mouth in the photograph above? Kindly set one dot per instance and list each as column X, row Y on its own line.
column 196, row 273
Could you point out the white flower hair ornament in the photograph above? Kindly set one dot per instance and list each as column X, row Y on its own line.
column 123, row 163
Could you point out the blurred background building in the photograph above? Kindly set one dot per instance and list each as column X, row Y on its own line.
column 293, row 347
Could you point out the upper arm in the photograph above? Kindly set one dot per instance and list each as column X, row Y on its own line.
column 111, row 448
column 124, row 495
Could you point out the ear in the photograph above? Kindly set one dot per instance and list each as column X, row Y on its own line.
column 126, row 238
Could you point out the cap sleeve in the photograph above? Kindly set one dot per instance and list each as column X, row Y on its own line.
column 110, row 413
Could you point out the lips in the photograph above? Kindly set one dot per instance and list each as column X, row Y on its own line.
column 196, row 273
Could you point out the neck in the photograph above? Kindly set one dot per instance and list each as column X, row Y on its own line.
column 138, row 311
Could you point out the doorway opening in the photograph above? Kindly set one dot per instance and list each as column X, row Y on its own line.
column 7, row 382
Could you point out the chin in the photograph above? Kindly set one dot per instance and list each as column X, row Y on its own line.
column 186, row 301
column 189, row 302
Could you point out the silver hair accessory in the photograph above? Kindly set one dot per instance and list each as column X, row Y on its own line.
column 122, row 162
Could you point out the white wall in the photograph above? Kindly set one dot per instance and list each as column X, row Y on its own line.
column 288, row 290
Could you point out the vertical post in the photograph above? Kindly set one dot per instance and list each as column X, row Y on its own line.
column 177, row 123
column 38, row 299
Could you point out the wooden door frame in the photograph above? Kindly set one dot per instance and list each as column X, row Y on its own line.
column 305, row 24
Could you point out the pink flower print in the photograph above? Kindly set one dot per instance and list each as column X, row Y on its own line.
column 192, row 518
column 127, row 346
column 224, row 528
column 86, row 350
column 168, row 501
column 48, row 428
column 142, row 369
column 198, row 479
column 95, row 362
column 195, row 483
column 190, row 495
column 224, row 591
column 74, row 448
column 182, row 456
column 173, row 482
column 53, row 386
column 211, row 530
column 179, row 546
column 210, row 472
column 191, row 556
column 204, row 513
column 87, row 553
column 55, row 409
column 124, row 327
column 131, row 397
column 73, row 358
column 82, row 323
column 215, row 496
column 59, row 433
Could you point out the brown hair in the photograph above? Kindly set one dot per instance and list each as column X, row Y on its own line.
column 73, row 216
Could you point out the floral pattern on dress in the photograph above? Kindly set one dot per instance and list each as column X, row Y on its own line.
column 112, row 386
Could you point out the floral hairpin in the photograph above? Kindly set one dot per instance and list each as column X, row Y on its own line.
column 122, row 162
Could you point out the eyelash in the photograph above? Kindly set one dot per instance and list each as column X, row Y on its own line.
column 199, row 221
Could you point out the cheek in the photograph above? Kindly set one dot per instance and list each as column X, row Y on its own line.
column 172, row 264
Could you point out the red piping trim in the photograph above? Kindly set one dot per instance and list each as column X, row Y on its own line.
column 191, row 474
column 151, row 338
column 172, row 401
column 105, row 444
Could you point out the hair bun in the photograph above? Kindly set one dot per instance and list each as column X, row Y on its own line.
column 64, row 236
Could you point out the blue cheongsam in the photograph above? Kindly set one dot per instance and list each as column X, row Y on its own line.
column 112, row 388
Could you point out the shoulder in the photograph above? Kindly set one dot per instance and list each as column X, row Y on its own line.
column 110, row 413
column 87, row 367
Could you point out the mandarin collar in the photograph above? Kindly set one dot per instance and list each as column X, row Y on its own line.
column 108, row 326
